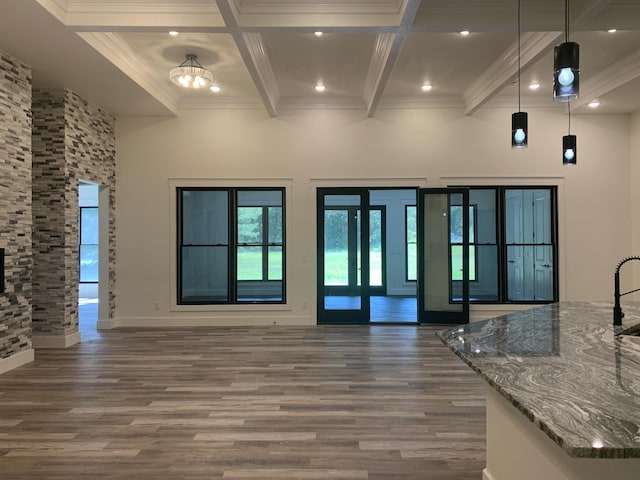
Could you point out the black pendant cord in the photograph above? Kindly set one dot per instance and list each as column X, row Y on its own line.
column 569, row 112
column 518, row 55
column 566, row 21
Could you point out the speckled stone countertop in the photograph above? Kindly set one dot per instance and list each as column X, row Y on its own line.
column 565, row 367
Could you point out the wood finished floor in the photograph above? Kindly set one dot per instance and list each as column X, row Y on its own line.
column 309, row 403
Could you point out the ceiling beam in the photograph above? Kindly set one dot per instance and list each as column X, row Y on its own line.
column 257, row 62
column 383, row 59
column 616, row 75
column 505, row 68
column 385, row 55
column 589, row 11
column 254, row 55
column 533, row 46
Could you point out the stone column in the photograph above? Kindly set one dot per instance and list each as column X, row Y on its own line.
column 73, row 140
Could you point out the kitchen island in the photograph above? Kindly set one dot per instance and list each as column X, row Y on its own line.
column 563, row 393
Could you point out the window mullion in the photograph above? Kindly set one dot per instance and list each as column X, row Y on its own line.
column 265, row 244
column 232, row 280
column 501, row 236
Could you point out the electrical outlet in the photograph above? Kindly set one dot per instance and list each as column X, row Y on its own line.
column 156, row 306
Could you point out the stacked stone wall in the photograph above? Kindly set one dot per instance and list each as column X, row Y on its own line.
column 15, row 206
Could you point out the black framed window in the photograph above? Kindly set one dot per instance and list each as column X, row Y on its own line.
column 513, row 244
column 411, row 245
column 231, row 245
column 89, row 244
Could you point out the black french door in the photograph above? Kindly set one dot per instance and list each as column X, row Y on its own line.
column 343, row 255
column 443, row 255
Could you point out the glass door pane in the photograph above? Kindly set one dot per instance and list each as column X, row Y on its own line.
column 443, row 255
column 375, row 248
column 336, row 247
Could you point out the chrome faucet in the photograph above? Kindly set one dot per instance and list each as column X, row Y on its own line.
column 617, row 310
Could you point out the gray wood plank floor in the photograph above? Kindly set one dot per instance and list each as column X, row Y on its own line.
column 343, row 402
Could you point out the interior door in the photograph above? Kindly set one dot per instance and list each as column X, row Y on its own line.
column 543, row 273
column 343, row 255
column 515, row 251
column 443, row 255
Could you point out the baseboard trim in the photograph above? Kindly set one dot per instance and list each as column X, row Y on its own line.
column 16, row 360
column 212, row 321
column 105, row 324
column 486, row 475
column 56, row 341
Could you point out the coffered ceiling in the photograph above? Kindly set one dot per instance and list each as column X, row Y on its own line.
column 373, row 54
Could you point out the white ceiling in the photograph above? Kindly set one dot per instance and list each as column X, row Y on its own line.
column 373, row 54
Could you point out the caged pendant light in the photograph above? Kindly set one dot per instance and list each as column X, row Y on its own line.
column 566, row 66
column 519, row 120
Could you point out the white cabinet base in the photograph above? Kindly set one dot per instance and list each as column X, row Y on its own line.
column 519, row 450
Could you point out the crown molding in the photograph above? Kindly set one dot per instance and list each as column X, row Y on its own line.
column 113, row 48
column 324, row 103
column 421, row 102
column 221, row 103
column 139, row 7
column 527, row 101
column 327, row 7
column 110, row 16
column 57, row 8
column 339, row 14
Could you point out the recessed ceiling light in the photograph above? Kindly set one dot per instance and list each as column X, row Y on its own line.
column 612, row 30
column 426, row 87
column 173, row 33
column 320, row 87
column 318, row 33
column 534, row 86
column 594, row 104
column 214, row 88
column 464, row 33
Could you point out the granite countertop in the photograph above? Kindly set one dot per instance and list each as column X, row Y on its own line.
column 565, row 367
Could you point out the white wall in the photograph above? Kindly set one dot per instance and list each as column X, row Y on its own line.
column 303, row 150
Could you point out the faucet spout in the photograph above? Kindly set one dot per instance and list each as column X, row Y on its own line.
column 618, row 314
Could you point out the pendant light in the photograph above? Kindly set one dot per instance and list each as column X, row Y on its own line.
column 566, row 66
column 569, row 145
column 519, row 120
